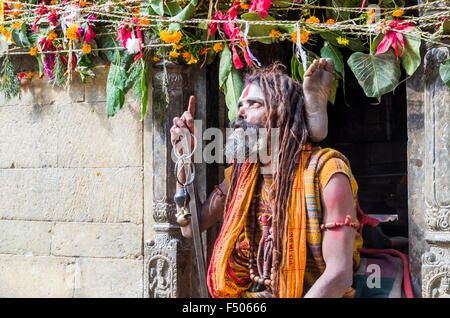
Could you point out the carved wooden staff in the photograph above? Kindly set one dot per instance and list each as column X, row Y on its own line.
column 183, row 199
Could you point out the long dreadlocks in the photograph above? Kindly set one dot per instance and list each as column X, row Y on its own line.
column 284, row 103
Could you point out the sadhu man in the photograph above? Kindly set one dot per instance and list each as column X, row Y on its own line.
column 292, row 232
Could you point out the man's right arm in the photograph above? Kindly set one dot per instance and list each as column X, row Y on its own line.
column 211, row 210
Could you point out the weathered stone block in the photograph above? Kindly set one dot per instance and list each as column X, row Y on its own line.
column 95, row 87
column 25, row 237
column 88, row 138
column 110, row 278
column 28, row 136
column 86, row 195
column 40, row 92
column 97, row 240
column 39, row 276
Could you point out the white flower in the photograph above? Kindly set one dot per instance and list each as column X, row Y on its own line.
column 133, row 45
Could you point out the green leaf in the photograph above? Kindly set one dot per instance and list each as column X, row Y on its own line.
column 444, row 71
column 259, row 29
column 187, row 12
column 157, row 6
column 377, row 75
column 411, row 57
column 332, row 97
column 172, row 8
column 40, row 63
column 226, row 62
column 20, row 36
column 446, row 27
column 16, row 37
column 85, row 67
column 144, row 89
column 376, row 42
column 115, row 89
column 354, row 44
column 233, row 90
column 23, row 35
column 294, row 68
column 281, row 3
column 332, row 52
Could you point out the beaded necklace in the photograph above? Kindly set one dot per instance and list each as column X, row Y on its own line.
column 265, row 271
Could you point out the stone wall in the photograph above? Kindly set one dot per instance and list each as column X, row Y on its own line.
column 72, row 193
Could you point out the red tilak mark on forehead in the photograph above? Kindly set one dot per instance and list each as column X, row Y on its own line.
column 246, row 91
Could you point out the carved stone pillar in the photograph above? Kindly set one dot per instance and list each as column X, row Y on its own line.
column 167, row 264
column 436, row 262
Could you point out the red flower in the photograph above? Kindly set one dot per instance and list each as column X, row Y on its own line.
column 41, row 10
column 261, row 6
column 213, row 26
column 53, row 18
column 123, row 34
column 89, row 35
column 392, row 36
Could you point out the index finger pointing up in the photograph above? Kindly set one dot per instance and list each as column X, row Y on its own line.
column 191, row 106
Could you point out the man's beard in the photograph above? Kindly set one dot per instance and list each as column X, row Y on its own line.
column 245, row 142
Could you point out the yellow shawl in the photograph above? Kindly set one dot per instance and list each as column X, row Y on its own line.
column 222, row 281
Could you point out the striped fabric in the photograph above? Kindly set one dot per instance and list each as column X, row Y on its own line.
column 322, row 165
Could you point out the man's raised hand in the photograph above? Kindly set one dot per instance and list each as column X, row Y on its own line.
column 184, row 125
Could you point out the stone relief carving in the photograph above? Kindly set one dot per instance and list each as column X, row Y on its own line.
column 164, row 212
column 435, row 283
column 438, row 219
column 160, row 277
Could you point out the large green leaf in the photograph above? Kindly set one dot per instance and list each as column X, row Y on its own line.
column 233, row 90
column 226, row 62
column 377, row 75
column 354, row 44
column 332, row 52
column 259, row 29
column 411, row 56
column 172, row 8
column 444, row 71
column 157, row 6
column 20, row 36
column 187, row 12
column 115, row 89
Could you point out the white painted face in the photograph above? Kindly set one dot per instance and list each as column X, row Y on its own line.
column 251, row 105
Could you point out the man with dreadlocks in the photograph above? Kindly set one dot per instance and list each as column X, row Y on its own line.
column 292, row 232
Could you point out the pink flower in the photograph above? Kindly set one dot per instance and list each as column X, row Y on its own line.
column 213, row 26
column 392, row 36
column 41, row 10
column 90, row 34
column 260, row 6
column 80, row 33
column 53, row 18
column 123, row 35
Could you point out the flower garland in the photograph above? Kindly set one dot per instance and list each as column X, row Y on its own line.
column 64, row 36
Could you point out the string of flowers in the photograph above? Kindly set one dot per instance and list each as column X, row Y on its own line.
column 66, row 37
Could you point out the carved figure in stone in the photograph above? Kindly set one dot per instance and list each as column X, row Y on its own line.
column 443, row 291
column 159, row 282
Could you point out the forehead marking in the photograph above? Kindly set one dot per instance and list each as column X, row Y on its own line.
column 246, row 91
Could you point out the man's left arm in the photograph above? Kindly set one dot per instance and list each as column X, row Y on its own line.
column 337, row 243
